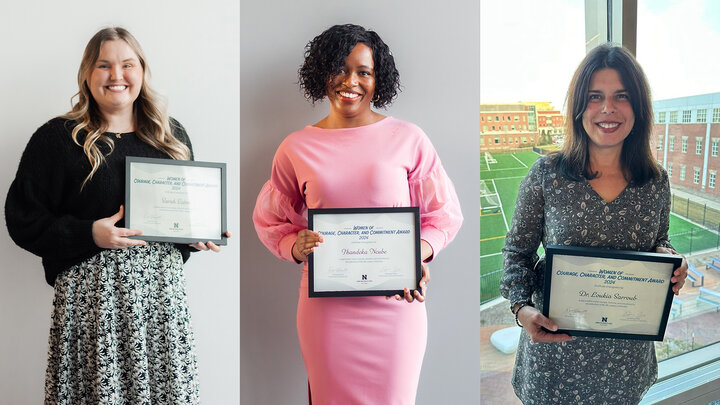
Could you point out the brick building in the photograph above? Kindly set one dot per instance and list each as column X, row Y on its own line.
column 551, row 123
column 685, row 140
column 508, row 126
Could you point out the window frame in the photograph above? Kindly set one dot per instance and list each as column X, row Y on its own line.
column 701, row 116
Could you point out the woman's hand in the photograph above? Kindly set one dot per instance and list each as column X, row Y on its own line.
column 426, row 252
column 305, row 244
column 208, row 245
column 416, row 295
column 533, row 321
column 680, row 273
column 107, row 236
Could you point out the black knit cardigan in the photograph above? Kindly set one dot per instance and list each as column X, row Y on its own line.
column 47, row 212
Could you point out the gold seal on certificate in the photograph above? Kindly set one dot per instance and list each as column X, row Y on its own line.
column 366, row 251
column 608, row 293
column 177, row 201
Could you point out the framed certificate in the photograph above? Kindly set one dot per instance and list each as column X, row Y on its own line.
column 177, row 201
column 366, row 251
column 608, row 293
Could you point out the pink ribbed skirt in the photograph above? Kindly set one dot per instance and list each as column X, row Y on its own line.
column 361, row 350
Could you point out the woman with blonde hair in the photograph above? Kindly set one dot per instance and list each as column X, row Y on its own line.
column 120, row 328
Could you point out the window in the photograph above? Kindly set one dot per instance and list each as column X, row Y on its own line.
column 660, row 142
column 701, row 115
column 684, row 144
column 669, row 169
column 482, row 118
column 716, row 114
column 698, row 146
column 497, row 118
column 482, row 140
column 493, row 127
column 673, row 117
column 691, row 81
column 714, row 149
column 497, row 138
column 524, row 139
column 686, row 116
column 672, row 144
column 505, row 128
column 512, row 127
column 661, row 117
column 682, row 172
column 484, row 128
column 516, row 118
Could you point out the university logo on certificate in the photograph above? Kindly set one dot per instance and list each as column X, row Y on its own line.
column 366, row 251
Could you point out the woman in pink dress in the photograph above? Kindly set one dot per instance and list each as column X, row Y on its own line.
column 357, row 350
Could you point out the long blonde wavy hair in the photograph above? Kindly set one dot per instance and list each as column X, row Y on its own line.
column 152, row 123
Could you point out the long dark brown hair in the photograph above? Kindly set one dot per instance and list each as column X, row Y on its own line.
column 636, row 158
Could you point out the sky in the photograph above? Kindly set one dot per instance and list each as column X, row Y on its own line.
column 530, row 49
column 679, row 46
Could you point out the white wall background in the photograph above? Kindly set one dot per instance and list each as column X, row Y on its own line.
column 436, row 48
column 193, row 51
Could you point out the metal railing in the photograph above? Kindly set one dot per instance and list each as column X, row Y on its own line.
column 696, row 212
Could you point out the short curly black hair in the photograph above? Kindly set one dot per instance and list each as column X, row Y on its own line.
column 326, row 54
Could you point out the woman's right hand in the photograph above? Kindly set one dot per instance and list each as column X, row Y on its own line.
column 305, row 244
column 533, row 322
column 107, row 236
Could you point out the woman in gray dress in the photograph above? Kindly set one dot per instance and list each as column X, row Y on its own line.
column 603, row 189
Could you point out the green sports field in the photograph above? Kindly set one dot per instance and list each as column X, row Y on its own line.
column 500, row 176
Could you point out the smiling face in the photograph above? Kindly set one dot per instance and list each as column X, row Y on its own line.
column 351, row 90
column 116, row 77
column 608, row 117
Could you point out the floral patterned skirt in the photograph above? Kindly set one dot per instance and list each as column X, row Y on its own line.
column 121, row 331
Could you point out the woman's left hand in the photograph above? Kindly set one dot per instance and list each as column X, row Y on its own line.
column 415, row 294
column 208, row 245
column 426, row 252
column 680, row 273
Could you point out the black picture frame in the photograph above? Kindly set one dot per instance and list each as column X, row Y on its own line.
column 607, row 295
column 358, row 213
column 132, row 187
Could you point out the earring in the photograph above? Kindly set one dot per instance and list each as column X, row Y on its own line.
column 376, row 99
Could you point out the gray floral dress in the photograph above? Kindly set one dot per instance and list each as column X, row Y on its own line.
column 557, row 211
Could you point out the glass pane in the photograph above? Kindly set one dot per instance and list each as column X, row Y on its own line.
column 674, row 48
column 526, row 62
